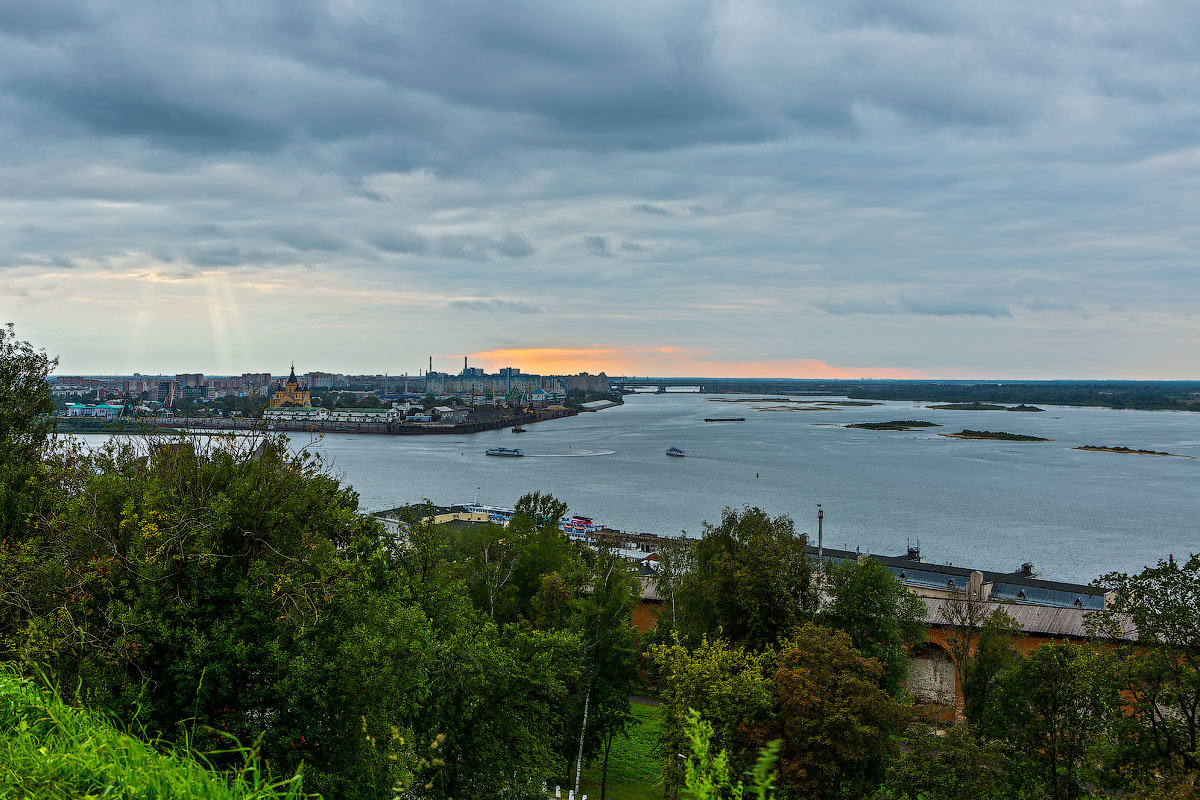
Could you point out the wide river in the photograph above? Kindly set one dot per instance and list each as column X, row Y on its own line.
column 983, row 504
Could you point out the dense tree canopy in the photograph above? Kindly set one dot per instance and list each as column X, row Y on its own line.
column 216, row 585
column 881, row 616
column 726, row 683
column 751, row 581
column 1163, row 604
column 1054, row 706
column 836, row 724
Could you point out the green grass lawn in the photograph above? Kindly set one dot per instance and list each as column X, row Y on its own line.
column 633, row 768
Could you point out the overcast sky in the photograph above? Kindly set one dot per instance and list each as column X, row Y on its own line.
column 888, row 189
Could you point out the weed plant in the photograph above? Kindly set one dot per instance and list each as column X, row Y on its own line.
column 52, row 751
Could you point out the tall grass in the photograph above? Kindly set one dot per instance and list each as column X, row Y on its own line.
column 51, row 751
column 634, row 767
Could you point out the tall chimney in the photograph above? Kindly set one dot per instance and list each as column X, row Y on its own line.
column 464, row 363
column 431, row 363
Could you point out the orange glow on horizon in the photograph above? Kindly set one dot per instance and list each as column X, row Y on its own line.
column 672, row 362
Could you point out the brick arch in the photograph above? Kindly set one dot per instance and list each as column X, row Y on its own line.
column 932, row 677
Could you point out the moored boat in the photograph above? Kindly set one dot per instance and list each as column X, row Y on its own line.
column 511, row 452
column 518, row 429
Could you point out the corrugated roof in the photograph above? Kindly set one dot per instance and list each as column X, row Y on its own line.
column 1037, row 620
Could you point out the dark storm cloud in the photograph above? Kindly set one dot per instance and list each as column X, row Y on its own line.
column 659, row 76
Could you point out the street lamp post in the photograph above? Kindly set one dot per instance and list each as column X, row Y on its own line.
column 820, row 549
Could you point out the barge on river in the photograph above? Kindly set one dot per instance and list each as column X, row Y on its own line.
column 510, row 452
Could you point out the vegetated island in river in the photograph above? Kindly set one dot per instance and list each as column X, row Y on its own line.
column 983, row 407
column 1108, row 448
column 894, row 425
column 1005, row 437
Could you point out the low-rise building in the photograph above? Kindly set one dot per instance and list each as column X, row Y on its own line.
column 101, row 410
column 450, row 416
column 296, row 414
column 355, row 415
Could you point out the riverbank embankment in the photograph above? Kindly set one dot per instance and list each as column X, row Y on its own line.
column 386, row 428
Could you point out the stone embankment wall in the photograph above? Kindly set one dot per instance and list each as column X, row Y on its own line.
column 327, row 426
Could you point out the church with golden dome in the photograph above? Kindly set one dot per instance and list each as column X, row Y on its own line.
column 292, row 393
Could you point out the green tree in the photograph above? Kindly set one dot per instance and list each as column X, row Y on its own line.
column 979, row 636
column 540, row 548
column 1160, row 607
column 708, row 775
column 727, row 684
column 424, row 558
column 489, row 553
column 211, row 587
column 995, row 655
column 25, row 425
column 504, row 567
column 1055, row 705
column 610, row 654
column 553, row 604
column 882, row 617
column 496, row 698
column 957, row 766
column 677, row 559
column 836, row 724
column 752, row 581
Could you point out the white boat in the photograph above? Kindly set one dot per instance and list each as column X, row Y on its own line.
column 511, row 452
column 675, row 451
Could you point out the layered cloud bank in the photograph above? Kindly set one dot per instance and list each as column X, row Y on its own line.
column 926, row 189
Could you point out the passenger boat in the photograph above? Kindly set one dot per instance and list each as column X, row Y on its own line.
column 578, row 524
column 512, row 452
column 675, row 451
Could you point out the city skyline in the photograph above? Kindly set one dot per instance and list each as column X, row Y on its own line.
column 871, row 189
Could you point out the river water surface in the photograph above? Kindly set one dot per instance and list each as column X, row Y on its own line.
column 987, row 504
column 983, row 504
